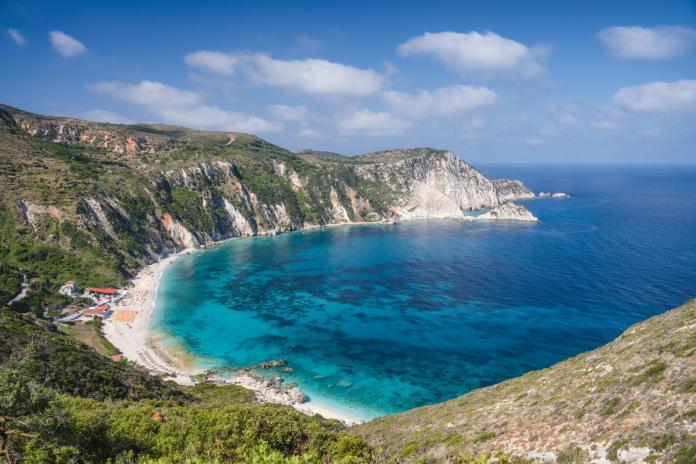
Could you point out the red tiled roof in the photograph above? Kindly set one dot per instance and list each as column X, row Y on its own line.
column 99, row 310
column 106, row 291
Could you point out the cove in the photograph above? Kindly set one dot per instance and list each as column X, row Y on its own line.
column 379, row 319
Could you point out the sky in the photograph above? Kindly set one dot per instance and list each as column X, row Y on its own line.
column 572, row 82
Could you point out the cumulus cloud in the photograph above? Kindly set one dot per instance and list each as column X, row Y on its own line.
column 205, row 116
column 15, row 36
column 297, row 113
column 648, row 43
column 367, row 122
column 184, row 107
column 106, row 116
column 445, row 101
column 66, row 45
column 658, row 96
column 312, row 76
column 474, row 53
column 147, row 93
column 214, row 62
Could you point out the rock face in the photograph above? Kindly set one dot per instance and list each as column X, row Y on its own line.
column 509, row 190
column 431, row 184
column 509, row 211
column 154, row 189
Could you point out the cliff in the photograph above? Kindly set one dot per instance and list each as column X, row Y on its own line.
column 117, row 196
column 632, row 400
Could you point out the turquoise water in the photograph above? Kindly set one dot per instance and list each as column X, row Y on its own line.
column 382, row 318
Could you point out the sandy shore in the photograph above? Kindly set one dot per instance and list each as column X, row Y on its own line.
column 134, row 339
column 139, row 344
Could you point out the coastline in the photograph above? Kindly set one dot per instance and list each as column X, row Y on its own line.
column 139, row 343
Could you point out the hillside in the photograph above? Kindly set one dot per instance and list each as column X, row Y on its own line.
column 61, row 402
column 57, row 361
column 94, row 202
column 632, row 400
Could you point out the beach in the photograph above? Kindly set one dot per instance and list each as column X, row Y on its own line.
column 135, row 339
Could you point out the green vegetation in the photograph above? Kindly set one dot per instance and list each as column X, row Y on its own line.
column 611, row 399
column 57, row 361
column 89, row 333
column 10, row 279
column 100, row 411
column 85, row 210
column 92, row 209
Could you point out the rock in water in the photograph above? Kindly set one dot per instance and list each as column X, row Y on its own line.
column 296, row 395
column 509, row 211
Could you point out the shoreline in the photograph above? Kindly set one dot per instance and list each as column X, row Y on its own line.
column 139, row 343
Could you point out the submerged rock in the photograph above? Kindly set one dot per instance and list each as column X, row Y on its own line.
column 271, row 364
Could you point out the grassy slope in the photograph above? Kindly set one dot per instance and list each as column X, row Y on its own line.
column 637, row 391
column 63, row 175
column 102, row 410
column 59, row 362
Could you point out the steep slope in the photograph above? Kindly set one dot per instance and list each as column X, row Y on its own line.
column 61, row 402
column 94, row 201
column 59, row 362
column 633, row 400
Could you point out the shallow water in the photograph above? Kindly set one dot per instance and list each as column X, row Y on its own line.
column 382, row 318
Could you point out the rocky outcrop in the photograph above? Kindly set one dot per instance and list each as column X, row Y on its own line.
column 181, row 236
column 509, row 211
column 155, row 189
column 34, row 213
column 553, row 195
column 430, row 184
column 509, row 190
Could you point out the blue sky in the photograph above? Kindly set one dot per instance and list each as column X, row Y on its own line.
column 497, row 82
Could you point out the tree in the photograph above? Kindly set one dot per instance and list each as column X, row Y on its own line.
column 31, row 420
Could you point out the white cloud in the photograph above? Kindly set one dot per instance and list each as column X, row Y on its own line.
column 214, row 62
column 147, row 93
column 309, row 134
column 205, row 116
column 66, row 45
column 184, row 107
column 648, row 43
column 474, row 53
column 297, row 113
column 658, row 96
column 367, row 122
column 313, row 76
column 444, row 101
column 106, row 116
column 16, row 36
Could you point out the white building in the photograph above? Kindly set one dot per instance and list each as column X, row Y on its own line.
column 69, row 288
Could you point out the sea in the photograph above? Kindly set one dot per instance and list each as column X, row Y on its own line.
column 378, row 319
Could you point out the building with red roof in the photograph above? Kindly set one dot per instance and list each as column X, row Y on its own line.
column 101, row 310
column 101, row 291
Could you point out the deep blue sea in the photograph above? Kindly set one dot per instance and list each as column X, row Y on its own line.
column 378, row 319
